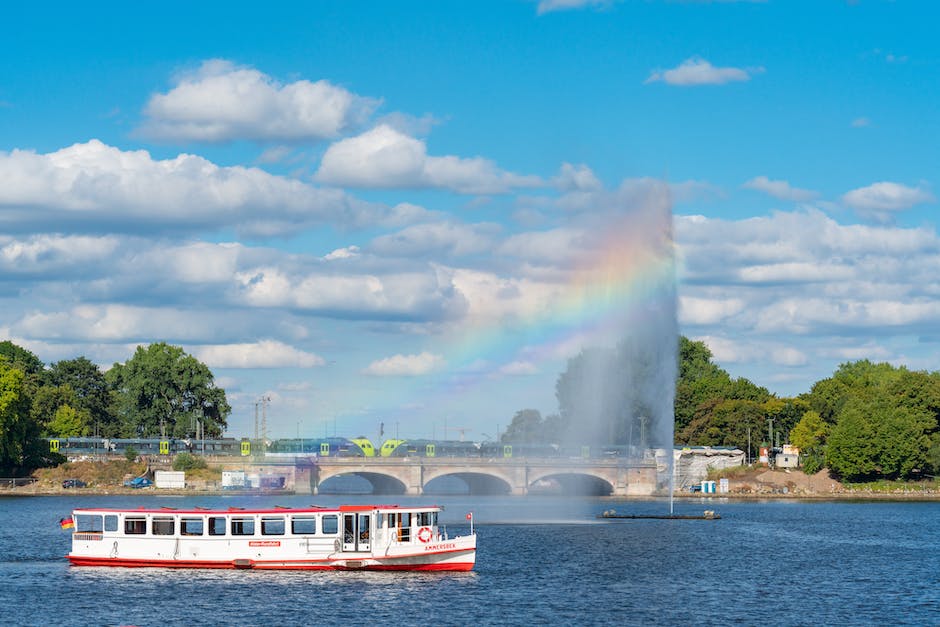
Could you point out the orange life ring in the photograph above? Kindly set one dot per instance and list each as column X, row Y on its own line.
column 424, row 534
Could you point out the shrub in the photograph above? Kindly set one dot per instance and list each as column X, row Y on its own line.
column 130, row 453
column 188, row 461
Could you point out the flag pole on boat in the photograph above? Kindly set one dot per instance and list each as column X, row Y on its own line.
column 470, row 518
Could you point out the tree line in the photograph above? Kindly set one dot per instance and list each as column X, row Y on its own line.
column 161, row 391
column 867, row 421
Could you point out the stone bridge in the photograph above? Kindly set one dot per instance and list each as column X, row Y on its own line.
column 518, row 476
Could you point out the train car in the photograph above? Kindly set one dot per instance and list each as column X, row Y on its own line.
column 389, row 446
column 364, row 443
column 429, row 448
column 322, row 447
column 517, row 449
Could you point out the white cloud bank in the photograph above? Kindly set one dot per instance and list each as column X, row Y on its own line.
column 262, row 354
column 878, row 200
column 384, row 157
column 93, row 187
column 221, row 102
column 405, row 365
column 549, row 6
column 779, row 189
column 697, row 71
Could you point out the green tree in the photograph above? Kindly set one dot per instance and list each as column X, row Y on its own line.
column 810, row 435
column 701, row 386
column 20, row 358
column 46, row 401
column 810, row 432
column 91, row 392
column 188, row 461
column 21, row 449
column 68, row 423
column 161, row 391
column 525, row 428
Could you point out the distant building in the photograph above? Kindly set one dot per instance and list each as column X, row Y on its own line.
column 788, row 457
column 692, row 463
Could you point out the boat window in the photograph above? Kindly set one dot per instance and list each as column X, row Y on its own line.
column 330, row 525
column 404, row 527
column 272, row 525
column 216, row 525
column 391, row 519
column 111, row 522
column 243, row 526
column 163, row 526
column 135, row 525
column 303, row 525
column 425, row 519
column 88, row 522
column 191, row 526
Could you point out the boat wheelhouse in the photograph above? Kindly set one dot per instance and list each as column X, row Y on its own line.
column 360, row 537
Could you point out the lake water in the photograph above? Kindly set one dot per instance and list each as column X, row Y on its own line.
column 539, row 561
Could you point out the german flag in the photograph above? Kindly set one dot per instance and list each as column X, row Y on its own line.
column 66, row 523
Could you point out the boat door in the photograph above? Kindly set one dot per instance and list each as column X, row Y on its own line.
column 356, row 532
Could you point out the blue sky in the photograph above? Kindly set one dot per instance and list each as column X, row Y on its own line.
column 332, row 204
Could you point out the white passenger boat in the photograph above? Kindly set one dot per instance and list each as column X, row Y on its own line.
column 350, row 537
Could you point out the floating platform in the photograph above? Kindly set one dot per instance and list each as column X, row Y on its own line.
column 706, row 515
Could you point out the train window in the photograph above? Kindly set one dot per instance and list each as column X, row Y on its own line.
column 243, row 526
column 88, row 522
column 216, row 526
column 191, row 526
column 330, row 525
column 303, row 525
column 135, row 525
column 111, row 522
column 163, row 526
column 272, row 525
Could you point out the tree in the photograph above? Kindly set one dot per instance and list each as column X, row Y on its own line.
column 21, row 449
column 161, row 391
column 91, row 392
column 19, row 357
column 810, row 432
column 700, row 383
column 69, row 423
column 525, row 428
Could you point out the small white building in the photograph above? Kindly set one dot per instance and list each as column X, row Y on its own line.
column 169, row 479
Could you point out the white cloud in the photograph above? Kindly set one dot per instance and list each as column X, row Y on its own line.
column 384, row 157
column 405, row 296
column 342, row 253
column 405, row 365
column 577, row 178
column 519, row 368
column 779, row 189
column 221, row 101
column 698, row 71
column 548, row 6
column 694, row 310
column 879, row 199
column 93, row 187
column 262, row 354
column 118, row 323
column 861, row 122
column 443, row 239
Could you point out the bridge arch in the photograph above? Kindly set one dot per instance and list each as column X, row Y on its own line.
column 570, row 482
column 475, row 483
column 381, row 483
